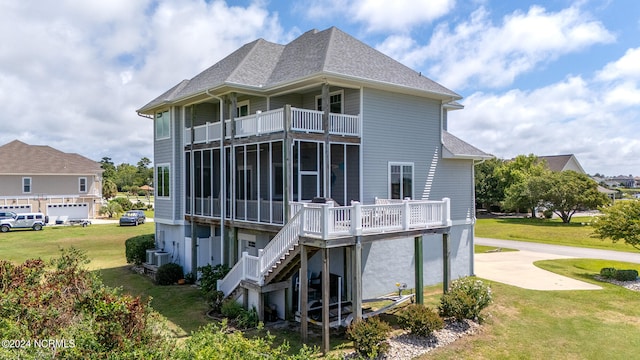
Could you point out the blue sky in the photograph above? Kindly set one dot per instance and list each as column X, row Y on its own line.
column 542, row 77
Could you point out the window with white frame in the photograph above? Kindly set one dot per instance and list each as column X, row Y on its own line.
column 335, row 102
column 82, row 184
column 163, row 130
column 400, row 180
column 26, row 185
column 163, row 180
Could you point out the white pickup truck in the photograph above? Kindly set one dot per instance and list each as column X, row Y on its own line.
column 33, row 221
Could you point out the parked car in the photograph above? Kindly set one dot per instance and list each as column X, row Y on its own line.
column 7, row 215
column 33, row 221
column 133, row 217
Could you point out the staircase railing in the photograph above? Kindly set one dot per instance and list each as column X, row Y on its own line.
column 255, row 267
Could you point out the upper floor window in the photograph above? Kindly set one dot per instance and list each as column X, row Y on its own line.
column 243, row 108
column 400, row 180
column 26, row 185
column 82, row 184
column 162, row 125
column 335, row 102
column 162, row 180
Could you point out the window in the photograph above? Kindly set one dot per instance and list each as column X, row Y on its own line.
column 26, row 185
column 335, row 102
column 162, row 181
column 82, row 184
column 400, row 180
column 243, row 108
column 162, row 125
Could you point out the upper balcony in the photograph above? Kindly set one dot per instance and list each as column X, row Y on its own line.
column 273, row 121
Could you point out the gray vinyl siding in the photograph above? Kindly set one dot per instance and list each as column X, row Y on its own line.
column 351, row 100
column 170, row 151
column 278, row 102
column 398, row 128
column 204, row 113
column 454, row 179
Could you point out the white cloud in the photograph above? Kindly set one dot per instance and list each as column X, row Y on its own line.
column 399, row 15
column 74, row 72
column 574, row 116
column 478, row 53
column 378, row 15
column 625, row 68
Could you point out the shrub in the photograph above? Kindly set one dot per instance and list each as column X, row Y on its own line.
column 210, row 275
column 248, row 318
column 124, row 203
column 139, row 205
column 548, row 214
column 625, row 275
column 465, row 299
column 135, row 248
column 607, row 272
column 216, row 341
column 369, row 336
column 169, row 274
column 214, row 299
column 231, row 309
column 420, row 320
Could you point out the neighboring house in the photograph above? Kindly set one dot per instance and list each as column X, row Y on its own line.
column 245, row 149
column 562, row 163
column 35, row 178
column 570, row 162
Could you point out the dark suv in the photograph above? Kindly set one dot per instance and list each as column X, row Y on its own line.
column 133, row 217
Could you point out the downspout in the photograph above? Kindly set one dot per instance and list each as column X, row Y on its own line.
column 223, row 186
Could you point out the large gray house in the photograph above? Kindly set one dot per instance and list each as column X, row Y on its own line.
column 321, row 157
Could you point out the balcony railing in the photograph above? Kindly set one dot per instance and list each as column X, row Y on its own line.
column 260, row 123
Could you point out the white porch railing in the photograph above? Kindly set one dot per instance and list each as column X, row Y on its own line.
column 325, row 221
column 273, row 121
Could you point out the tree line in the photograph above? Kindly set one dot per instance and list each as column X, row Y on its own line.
column 525, row 184
column 125, row 177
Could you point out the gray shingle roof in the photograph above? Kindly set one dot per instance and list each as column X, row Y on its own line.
column 24, row 159
column 263, row 65
column 457, row 148
column 556, row 162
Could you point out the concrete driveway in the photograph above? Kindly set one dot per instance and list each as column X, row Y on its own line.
column 516, row 268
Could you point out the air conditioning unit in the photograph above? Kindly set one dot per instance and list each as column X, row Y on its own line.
column 162, row 257
column 151, row 256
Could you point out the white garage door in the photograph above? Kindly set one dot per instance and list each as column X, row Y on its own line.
column 20, row 209
column 67, row 211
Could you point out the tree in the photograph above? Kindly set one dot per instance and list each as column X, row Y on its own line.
column 109, row 168
column 144, row 176
column 569, row 191
column 125, row 175
column 621, row 221
column 111, row 209
column 514, row 178
column 489, row 190
column 109, row 189
column 528, row 193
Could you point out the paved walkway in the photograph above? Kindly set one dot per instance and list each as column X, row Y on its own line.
column 516, row 267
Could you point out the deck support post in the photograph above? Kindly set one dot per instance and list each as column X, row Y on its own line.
column 357, row 279
column 326, row 294
column 303, row 292
column 327, row 150
column 446, row 264
column 417, row 242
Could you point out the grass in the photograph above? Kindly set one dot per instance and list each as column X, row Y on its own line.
column 548, row 232
column 529, row 324
column 521, row 324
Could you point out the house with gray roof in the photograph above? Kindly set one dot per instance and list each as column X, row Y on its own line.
column 39, row 178
column 321, row 159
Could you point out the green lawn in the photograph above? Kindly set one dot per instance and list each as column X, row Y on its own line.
column 529, row 324
column 522, row 324
column 577, row 233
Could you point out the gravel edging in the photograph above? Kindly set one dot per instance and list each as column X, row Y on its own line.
column 631, row 285
column 407, row 346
